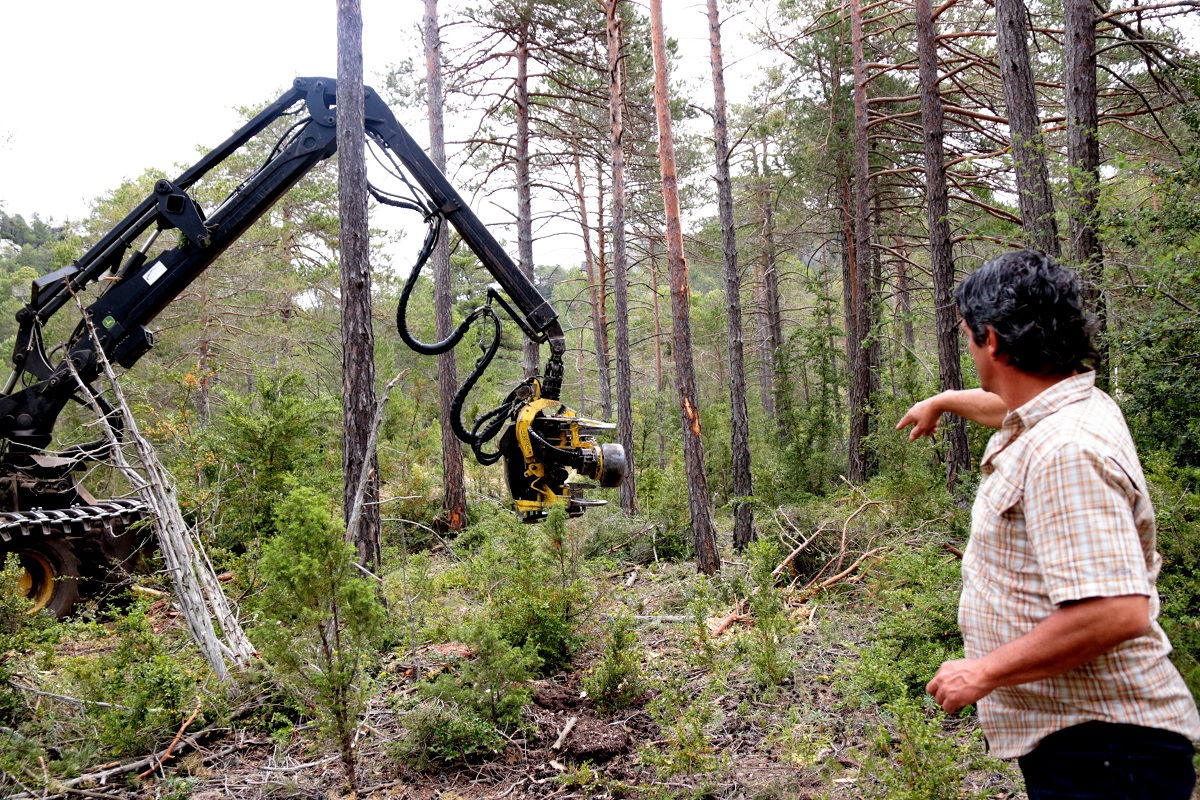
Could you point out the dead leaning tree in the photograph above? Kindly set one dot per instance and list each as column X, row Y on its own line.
column 197, row 591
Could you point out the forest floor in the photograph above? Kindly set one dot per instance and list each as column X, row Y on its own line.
column 703, row 725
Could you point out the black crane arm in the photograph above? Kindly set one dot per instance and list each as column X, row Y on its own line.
column 141, row 287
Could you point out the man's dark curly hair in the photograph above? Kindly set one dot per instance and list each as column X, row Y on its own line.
column 1036, row 310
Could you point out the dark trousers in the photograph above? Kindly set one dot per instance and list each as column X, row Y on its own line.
column 1107, row 761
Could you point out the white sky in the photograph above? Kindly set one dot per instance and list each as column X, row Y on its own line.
column 99, row 91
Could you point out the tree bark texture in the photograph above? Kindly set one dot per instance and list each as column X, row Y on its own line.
column 620, row 257
column 704, row 535
column 774, row 317
column 358, row 338
column 941, row 255
column 454, row 490
column 1083, row 158
column 739, row 425
column 1028, row 149
column 860, row 264
column 529, row 350
column 589, row 263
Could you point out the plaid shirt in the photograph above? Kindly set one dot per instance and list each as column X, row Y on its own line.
column 1063, row 514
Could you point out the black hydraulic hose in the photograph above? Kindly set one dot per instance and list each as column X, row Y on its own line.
column 487, row 425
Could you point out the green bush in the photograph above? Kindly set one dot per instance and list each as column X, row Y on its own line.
column 320, row 616
column 530, row 580
column 915, row 596
column 768, row 658
column 148, row 688
column 493, row 684
column 1178, row 515
column 915, row 759
column 436, row 732
column 616, row 680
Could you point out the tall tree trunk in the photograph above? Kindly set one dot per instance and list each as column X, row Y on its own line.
column 529, row 351
column 358, row 338
column 739, row 425
column 1083, row 160
column 616, row 128
column 603, row 354
column 704, row 535
column 658, row 332
column 454, row 497
column 589, row 263
column 779, row 401
column 860, row 263
column 941, row 254
column 1029, row 156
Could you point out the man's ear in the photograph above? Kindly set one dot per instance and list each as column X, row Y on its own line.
column 991, row 345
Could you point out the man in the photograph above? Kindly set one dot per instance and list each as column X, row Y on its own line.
column 1058, row 610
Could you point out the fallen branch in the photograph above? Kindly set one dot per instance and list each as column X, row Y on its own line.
column 566, row 731
column 175, row 741
column 725, row 623
column 953, row 550
column 628, row 541
column 825, row 584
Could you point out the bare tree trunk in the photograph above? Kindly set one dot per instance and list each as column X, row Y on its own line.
column 1083, row 160
column 1029, row 156
column 358, row 337
column 589, row 263
column 941, row 254
column 860, row 263
column 197, row 590
column 616, row 127
column 739, row 425
column 704, row 535
column 529, row 351
column 454, row 497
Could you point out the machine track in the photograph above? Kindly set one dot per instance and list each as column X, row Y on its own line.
column 64, row 549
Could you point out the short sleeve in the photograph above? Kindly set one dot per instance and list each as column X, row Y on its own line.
column 1081, row 526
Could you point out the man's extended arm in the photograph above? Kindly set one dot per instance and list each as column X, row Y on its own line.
column 1073, row 635
column 976, row 405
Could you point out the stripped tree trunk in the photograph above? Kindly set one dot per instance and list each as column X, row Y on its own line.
column 704, row 534
column 941, row 256
column 454, row 498
column 616, row 128
column 1083, row 160
column 604, row 353
column 358, row 337
column 589, row 263
column 739, row 425
column 197, row 590
column 1029, row 155
column 860, row 264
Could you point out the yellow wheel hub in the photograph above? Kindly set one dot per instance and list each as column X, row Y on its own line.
column 38, row 580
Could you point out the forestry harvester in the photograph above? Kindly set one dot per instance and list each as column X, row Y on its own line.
column 65, row 538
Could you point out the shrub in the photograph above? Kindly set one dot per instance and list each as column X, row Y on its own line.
column 320, row 616
column 616, row 680
column 916, row 759
column 436, row 732
column 492, row 685
column 530, row 579
column 768, row 658
column 916, row 594
column 149, row 688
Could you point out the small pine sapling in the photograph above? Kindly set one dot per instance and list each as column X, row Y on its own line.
column 321, row 615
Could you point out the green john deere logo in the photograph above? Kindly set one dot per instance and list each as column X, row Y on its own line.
column 109, row 322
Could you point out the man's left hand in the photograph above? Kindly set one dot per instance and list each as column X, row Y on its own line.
column 958, row 684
